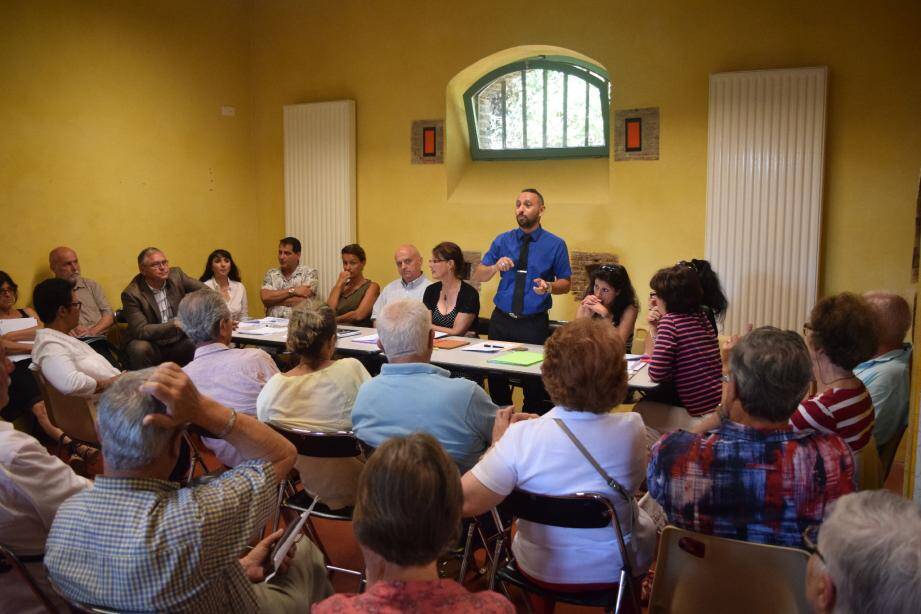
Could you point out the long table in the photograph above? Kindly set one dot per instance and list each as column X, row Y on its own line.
column 454, row 359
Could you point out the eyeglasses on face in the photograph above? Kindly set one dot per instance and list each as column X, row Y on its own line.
column 159, row 264
column 8, row 290
column 811, row 541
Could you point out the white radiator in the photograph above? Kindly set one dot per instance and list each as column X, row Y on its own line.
column 320, row 183
column 764, row 192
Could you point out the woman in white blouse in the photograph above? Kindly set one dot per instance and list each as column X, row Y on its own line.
column 67, row 363
column 318, row 394
column 585, row 373
column 221, row 274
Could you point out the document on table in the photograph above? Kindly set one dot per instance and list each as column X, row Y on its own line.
column 373, row 337
column 14, row 324
column 490, row 347
column 521, row 359
column 346, row 332
column 262, row 330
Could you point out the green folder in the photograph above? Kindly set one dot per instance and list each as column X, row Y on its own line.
column 522, row 359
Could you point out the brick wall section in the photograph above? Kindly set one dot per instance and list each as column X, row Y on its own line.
column 583, row 263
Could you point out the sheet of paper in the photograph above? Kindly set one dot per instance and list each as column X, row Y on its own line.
column 346, row 332
column 262, row 330
column 439, row 334
column 489, row 347
column 14, row 324
column 288, row 539
column 372, row 338
column 632, row 357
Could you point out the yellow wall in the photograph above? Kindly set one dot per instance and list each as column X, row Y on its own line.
column 396, row 59
column 112, row 137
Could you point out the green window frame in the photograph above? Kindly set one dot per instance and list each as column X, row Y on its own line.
column 490, row 98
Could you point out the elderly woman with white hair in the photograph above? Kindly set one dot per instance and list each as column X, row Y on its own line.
column 318, row 394
column 867, row 556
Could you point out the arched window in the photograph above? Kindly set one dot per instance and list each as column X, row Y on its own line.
column 547, row 107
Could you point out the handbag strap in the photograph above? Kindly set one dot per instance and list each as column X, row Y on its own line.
column 614, row 484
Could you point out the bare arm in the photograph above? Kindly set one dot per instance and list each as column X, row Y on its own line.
column 252, row 439
column 462, row 323
column 477, row 498
column 271, row 298
column 364, row 308
column 484, row 272
column 104, row 324
column 26, row 334
column 627, row 323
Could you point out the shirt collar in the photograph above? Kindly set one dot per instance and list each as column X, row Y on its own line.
column 211, row 348
column 535, row 234
column 79, row 283
column 104, row 483
column 888, row 356
column 152, row 289
column 414, row 283
column 734, row 430
column 572, row 414
column 413, row 368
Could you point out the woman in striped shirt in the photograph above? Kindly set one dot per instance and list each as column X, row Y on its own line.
column 840, row 334
column 685, row 353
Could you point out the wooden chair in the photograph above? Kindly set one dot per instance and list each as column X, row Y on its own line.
column 577, row 511
column 887, row 452
column 702, row 573
column 73, row 415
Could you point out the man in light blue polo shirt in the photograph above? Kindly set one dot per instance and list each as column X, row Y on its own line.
column 411, row 395
column 532, row 264
column 886, row 374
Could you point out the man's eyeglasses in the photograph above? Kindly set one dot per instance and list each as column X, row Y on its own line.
column 811, row 541
column 158, row 264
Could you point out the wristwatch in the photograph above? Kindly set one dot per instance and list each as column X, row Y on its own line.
column 290, row 291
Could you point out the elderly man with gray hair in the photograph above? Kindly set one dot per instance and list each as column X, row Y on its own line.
column 886, row 374
column 753, row 477
column 137, row 542
column 867, row 558
column 231, row 376
column 411, row 395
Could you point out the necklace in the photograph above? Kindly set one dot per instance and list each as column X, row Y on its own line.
column 840, row 379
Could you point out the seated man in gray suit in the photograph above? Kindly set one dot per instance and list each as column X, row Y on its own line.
column 151, row 303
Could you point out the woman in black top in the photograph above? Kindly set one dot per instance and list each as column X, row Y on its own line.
column 610, row 296
column 454, row 304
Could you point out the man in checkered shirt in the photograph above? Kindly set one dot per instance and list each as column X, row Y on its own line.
column 137, row 542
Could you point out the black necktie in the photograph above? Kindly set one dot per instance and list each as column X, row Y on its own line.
column 521, row 277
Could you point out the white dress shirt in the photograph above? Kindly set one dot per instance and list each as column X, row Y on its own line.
column 33, row 484
column 237, row 301
column 70, row 365
column 537, row 456
column 397, row 290
column 234, row 378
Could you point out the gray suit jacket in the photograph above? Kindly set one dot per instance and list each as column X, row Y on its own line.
column 143, row 315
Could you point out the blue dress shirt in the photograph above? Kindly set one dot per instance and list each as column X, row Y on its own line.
column 886, row 378
column 548, row 259
column 419, row 397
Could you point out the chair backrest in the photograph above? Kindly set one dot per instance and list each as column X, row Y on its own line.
column 702, row 573
column 341, row 444
column 578, row 511
column 73, row 415
column 10, row 560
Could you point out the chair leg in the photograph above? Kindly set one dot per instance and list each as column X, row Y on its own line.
column 281, row 498
column 494, row 564
column 467, row 545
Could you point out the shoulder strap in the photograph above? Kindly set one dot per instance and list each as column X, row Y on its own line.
column 614, row 484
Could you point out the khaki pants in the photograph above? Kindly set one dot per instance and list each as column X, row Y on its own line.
column 303, row 584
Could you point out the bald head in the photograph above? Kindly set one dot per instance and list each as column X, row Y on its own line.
column 409, row 263
column 64, row 263
column 894, row 316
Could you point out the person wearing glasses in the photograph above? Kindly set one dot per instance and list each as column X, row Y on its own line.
column 841, row 333
column 610, row 296
column 865, row 557
column 743, row 472
column 151, row 304
column 454, row 304
column 68, row 364
column 682, row 342
column 533, row 264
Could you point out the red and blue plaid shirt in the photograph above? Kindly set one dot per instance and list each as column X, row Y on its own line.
column 763, row 486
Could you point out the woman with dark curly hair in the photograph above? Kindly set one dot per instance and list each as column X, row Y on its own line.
column 610, row 296
column 682, row 342
column 842, row 333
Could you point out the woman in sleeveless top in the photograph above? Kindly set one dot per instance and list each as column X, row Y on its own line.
column 222, row 275
column 353, row 296
column 453, row 303
column 610, row 296
column 23, row 389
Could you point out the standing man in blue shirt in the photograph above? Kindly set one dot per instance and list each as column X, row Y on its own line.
column 532, row 264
